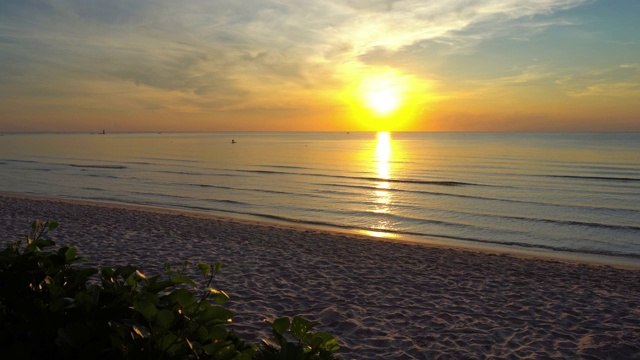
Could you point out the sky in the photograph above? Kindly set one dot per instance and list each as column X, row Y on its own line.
column 319, row 65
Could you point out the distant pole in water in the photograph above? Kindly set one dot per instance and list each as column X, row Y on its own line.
column 103, row 132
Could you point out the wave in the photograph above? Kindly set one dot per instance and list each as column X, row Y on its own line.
column 102, row 176
column 403, row 219
column 180, row 172
column 191, row 173
column 117, row 167
column 476, row 197
column 366, row 178
column 604, row 178
column 139, row 163
column 574, row 223
column 171, row 196
column 23, row 161
column 426, row 236
column 289, row 167
column 564, row 249
column 169, row 160
column 90, row 166
column 266, row 191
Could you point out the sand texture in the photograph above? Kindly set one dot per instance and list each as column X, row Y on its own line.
column 381, row 299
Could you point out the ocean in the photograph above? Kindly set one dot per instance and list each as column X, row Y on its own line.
column 576, row 194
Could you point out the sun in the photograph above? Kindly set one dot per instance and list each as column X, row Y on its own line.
column 382, row 100
column 382, row 94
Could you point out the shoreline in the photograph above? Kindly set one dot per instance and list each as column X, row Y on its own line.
column 456, row 245
column 384, row 299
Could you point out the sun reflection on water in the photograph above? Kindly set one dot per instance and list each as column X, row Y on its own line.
column 382, row 157
column 383, row 154
column 382, row 195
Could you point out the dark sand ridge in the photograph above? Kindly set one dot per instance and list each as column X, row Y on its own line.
column 381, row 299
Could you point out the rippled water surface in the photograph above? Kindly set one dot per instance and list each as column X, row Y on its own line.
column 576, row 193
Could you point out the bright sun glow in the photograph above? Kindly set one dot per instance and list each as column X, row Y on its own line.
column 382, row 93
column 383, row 101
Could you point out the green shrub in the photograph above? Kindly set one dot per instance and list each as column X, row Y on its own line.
column 307, row 345
column 50, row 307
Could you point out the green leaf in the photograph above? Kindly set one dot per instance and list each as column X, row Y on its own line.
column 281, row 325
column 217, row 267
column 204, row 268
column 131, row 281
column 155, row 287
column 331, row 345
column 164, row 318
column 227, row 352
column 61, row 304
column 35, row 225
column 183, row 297
column 70, row 254
column 107, row 272
column 300, row 327
column 125, row 271
column 167, row 339
column 315, row 342
column 218, row 296
column 181, row 279
column 85, row 301
column 88, row 271
column 40, row 244
column 145, row 304
column 248, row 354
column 215, row 315
column 147, row 309
column 217, row 333
column 323, row 341
column 170, row 342
column 289, row 350
column 55, row 290
column 217, row 350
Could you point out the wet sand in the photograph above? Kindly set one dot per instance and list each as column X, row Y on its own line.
column 382, row 299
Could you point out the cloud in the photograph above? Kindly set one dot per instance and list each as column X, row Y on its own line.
column 621, row 89
column 532, row 74
column 228, row 54
column 411, row 22
column 631, row 66
column 621, row 82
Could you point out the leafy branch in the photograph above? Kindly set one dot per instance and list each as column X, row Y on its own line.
column 50, row 309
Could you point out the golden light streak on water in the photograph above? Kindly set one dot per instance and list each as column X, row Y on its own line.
column 379, row 234
column 382, row 196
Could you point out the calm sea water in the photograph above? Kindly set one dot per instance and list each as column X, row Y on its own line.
column 565, row 193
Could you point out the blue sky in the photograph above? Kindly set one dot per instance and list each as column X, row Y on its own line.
column 526, row 65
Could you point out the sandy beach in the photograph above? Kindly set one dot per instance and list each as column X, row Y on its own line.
column 382, row 299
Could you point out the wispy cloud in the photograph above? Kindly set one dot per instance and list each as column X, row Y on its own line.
column 256, row 54
column 622, row 82
column 635, row 66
